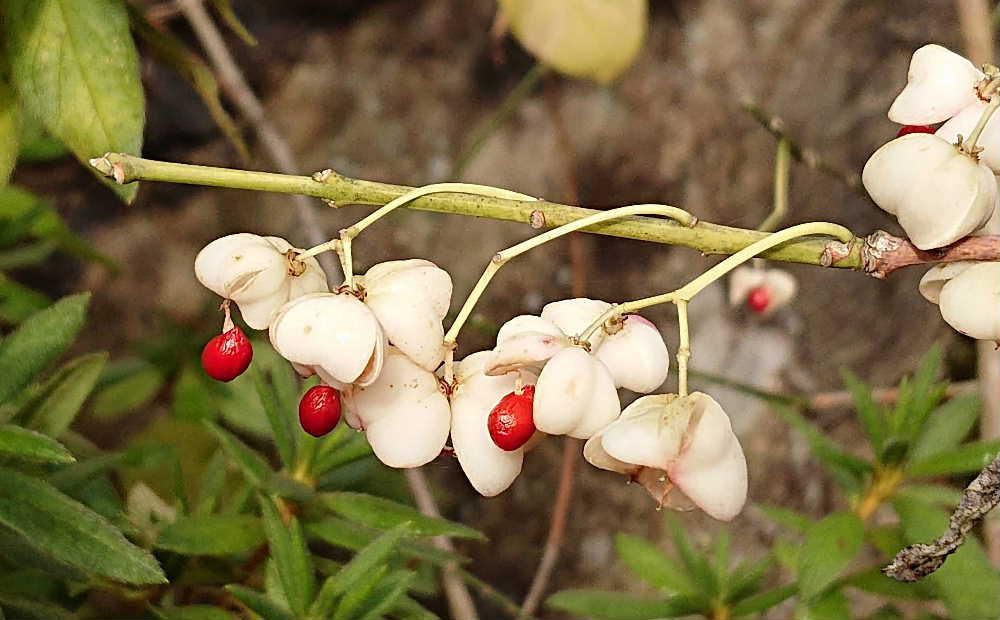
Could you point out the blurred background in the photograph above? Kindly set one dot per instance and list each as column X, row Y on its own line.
column 414, row 92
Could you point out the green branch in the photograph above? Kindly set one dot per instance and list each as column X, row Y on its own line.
column 339, row 191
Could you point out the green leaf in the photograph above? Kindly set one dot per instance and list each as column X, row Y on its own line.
column 367, row 560
column 759, row 603
column 54, row 414
column 36, row 144
column 408, row 609
column 653, row 565
column 193, row 398
column 26, row 608
column 350, row 604
column 38, row 341
column 383, row 513
column 967, row 582
column 291, row 557
column 917, row 399
column 253, row 466
column 193, row 612
column 874, row 582
column 947, row 427
column 849, row 471
column 934, row 494
column 10, row 131
column 829, row 547
column 70, row 532
column 747, row 578
column 213, row 481
column 968, row 458
column 280, row 421
column 354, row 536
column 702, row 574
column 831, row 606
column 617, row 606
column 74, row 64
column 871, row 413
column 787, row 518
column 26, row 445
column 128, row 394
column 593, row 39
column 386, row 594
column 265, row 607
column 18, row 302
column 212, row 535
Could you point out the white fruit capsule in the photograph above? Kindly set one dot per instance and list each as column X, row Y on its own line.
column 680, row 449
column 335, row 336
column 410, row 298
column 938, row 85
column 636, row 356
column 781, row 286
column 489, row 469
column 968, row 295
column 575, row 395
column 937, row 193
column 404, row 413
column 572, row 316
column 962, row 125
column 254, row 272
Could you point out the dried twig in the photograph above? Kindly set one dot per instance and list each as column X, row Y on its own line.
column 917, row 561
column 804, row 155
column 460, row 602
column 883, row 253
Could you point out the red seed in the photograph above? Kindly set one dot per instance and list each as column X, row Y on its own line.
column 759, row 299
column 319, row 410
column 226, row 356
column 511, row 423
column 908, row 129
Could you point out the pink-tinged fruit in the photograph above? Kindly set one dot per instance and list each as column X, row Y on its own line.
column 511, row 422
column 319, row 410
column 226, row 356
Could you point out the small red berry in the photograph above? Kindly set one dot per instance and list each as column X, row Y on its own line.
column 759, row 299
column 319, row 410
column 908, row 129
column 226, row 356
column 511, row 422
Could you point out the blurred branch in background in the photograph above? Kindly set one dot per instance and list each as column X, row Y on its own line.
column 801, row 154
column 279, row 151
column 977, row 31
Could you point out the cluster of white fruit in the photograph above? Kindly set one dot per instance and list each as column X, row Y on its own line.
column 940, row 182
column 380, row 343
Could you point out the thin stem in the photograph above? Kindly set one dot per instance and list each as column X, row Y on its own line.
column 339, row 190
column 346, row 260
column 969, row 144
column 502, row 257
column 689, row 290
column 782, row 169
column 684, row 348
column 484, row 130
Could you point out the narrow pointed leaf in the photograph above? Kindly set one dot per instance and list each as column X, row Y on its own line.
column 70, row 532
column 280, row 421
column 260, row 604
column 848, row 470
column 193, row 612
column 759, row 603
column 653, row 565
column 291, row 557
column 966, row 459
column 354, row 536
column 947, row 427
column 617, row 606
column 384, row 514
column 38, row 341
column 23, row 608
column 212, row 535
column 56, row 412
column 25, row 445
column 871, row 413
column 10, row 131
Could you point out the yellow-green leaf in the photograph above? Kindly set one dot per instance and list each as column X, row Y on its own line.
column 75, row 67
column 25, row 445
column 10, row 131
column 592, row 39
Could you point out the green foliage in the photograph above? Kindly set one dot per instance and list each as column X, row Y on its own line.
column 830, row 546
column 75, row 68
